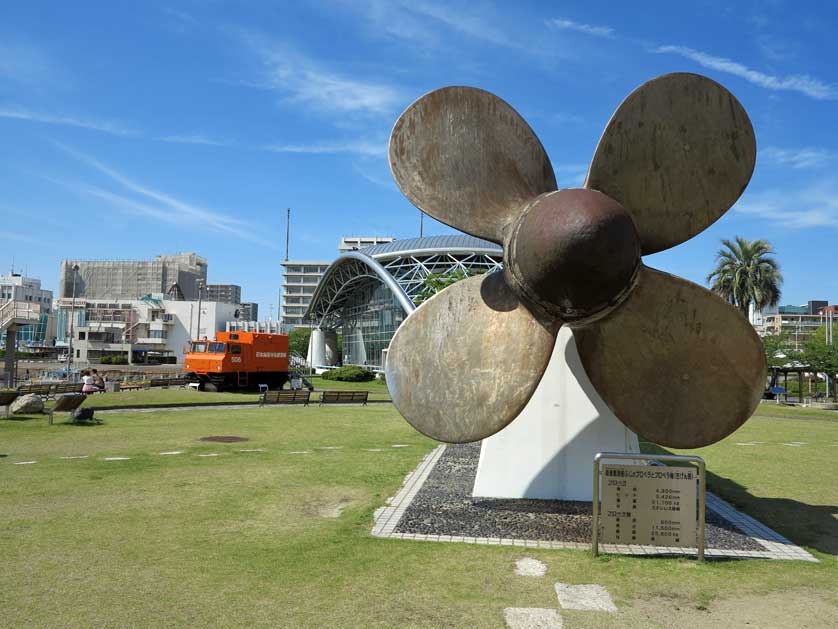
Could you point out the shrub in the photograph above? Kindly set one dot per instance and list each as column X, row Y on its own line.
column 105, row 360
column 119, row 360
column 350, row 373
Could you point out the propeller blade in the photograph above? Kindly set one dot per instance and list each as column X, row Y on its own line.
column 677, row 154
column 465, row 363
column 465, row 157
column 675, row 363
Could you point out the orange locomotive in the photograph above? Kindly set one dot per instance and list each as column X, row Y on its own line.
column 239, row 360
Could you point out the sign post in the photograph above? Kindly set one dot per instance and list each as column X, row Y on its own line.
column 648, row 504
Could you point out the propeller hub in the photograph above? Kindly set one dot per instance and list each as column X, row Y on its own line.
column 575, row 253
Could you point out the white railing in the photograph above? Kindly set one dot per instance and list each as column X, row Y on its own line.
column 19, row 313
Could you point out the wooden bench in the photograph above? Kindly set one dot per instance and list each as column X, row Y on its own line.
column 132, row 386
column 65, row 387
column 7, row 397
column 289, row 396
column 42, row 390
column 344, row 397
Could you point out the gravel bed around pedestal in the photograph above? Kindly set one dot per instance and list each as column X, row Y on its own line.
column 444, row 506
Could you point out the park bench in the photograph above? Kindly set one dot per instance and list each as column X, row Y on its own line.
column 67, row 404
column 289, row 396
column 63, row 388
column 42, row 390
column 344, row 397
column 135, row 385
column 7, row 397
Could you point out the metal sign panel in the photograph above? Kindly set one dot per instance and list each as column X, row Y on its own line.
column 649, row 505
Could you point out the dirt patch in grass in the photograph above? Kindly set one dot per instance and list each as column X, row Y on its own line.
column 224, row 439
column 800, row 607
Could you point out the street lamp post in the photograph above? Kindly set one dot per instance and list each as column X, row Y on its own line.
column 75, row 269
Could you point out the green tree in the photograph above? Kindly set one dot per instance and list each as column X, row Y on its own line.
column 746, row 273
column 777, row 348
column 298, row 341
column 821, row 356
column 435, row 282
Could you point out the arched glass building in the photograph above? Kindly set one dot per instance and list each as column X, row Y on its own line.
column 368, row 293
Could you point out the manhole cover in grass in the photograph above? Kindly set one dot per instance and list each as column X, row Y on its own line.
column 224, row 439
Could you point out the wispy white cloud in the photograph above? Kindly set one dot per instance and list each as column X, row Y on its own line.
column 359, row 147
column 379, row 181
column 196, row 138
column 802, row 83
column 470, row 23
column 167, row 207
column 587, row 29
column 105, row 126
column 418, row 22
column 302, row 81
column 814, row 205
column 797, row 158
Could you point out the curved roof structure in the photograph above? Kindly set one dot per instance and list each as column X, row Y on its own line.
column 402, row 266
column 449, row 243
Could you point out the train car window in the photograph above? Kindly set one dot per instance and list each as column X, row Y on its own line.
column 216, row 348
column 199, row 347
column 235, row 349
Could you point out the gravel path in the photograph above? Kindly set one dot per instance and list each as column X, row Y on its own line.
column 444, row 506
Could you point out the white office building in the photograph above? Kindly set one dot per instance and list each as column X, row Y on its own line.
column 151, row 329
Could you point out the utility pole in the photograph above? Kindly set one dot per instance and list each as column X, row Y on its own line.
column 75, row 269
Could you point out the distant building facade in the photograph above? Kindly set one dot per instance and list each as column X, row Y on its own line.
column 797, row 322
column 16, row 287
column 249, row 311
column 152, row 329
column 132, row 279
column 354, row 243
column 299, row 281
column 225, row 293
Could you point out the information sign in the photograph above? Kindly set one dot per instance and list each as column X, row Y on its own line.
column 649, row 505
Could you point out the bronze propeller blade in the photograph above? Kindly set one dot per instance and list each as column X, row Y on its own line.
column 468, row 159
column 677, row 154
column 465, row 363
column 675, row 363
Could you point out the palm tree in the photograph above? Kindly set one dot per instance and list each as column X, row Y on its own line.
column 746, row 273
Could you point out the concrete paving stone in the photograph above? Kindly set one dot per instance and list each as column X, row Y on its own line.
column 170, row 453
column 253, row 450
column 529, row 567
column 588, row 597
column 116, row 458
column 81, row 456
column 210, row 454
column 532, row 618
column 25, row 462
column 300, row 452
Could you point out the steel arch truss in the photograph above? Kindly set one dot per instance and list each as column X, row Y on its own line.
column 404, row 274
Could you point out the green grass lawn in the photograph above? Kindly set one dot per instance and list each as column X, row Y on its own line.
column 165, row 396
column 279, row 539
column 378, row 391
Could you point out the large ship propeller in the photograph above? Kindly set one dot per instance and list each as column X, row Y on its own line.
column 675, row 363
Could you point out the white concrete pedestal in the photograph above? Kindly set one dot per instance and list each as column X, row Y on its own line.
column 548, row 451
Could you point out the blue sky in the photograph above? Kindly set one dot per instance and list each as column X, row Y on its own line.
column 131, row 129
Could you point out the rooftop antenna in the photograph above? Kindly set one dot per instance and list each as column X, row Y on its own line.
column 421, row 222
